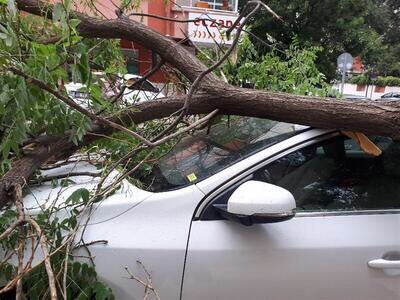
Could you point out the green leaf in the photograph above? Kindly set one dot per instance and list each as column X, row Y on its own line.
column 72, row 222
column 102, row 292
column 76, row 267
column 58, row 12
column 8, row 270
column 66, row 182
column 3, row 29
column 77, row 195
column 54, row 183
column 76, row 74
column 74, row 23
column 9, row 41
column 67, row 4
column 84, row 271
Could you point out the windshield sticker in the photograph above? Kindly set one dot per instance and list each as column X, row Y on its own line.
column 191, row 177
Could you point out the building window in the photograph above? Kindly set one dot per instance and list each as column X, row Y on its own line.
column 131, row 59
column 227, row 5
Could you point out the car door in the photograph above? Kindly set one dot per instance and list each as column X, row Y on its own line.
column 348, row 218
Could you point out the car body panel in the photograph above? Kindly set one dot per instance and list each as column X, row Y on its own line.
column 316, row 255
column 304, row 258
column 123, row 219
column 154, row 233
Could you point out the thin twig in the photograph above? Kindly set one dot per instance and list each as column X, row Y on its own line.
column 65, row 271
column 21, row 239
column 104, row 242
column 47, row 264
column 148, row 285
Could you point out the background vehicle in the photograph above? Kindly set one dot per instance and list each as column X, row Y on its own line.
column 190, row 233
column 391, row 96
column 143, row 92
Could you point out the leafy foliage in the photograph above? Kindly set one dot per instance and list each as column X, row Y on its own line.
column 53, row 52
column 368, row 28
column 6, row 219
column 380, row 81
column 25, row 110
column 296, row 73
column 360, row 79
column 82, row 282
column 388, row 81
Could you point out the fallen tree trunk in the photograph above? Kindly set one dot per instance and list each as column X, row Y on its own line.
column 368, row 117
column 371, row 117
column 301, row 110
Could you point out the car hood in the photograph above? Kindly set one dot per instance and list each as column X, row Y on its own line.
column 55, row 192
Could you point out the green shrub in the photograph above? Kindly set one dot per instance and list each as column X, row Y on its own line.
column 360, row 80
column 380, row 81
column 388, row 81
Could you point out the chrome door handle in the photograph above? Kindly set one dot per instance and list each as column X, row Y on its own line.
column 381, row 263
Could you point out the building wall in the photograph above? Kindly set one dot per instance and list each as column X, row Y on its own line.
column 175, row 30
column 358, row 66
column 105, row 8
column 371, row 92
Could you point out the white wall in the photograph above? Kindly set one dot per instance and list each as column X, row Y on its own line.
column 351, row 89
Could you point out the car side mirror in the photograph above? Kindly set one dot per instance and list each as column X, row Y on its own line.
column 256, row 202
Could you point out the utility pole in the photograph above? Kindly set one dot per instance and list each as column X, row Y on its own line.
column 345, row 63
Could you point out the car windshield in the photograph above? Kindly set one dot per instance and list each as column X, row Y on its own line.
column 211, row 150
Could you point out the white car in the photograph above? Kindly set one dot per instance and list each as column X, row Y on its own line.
column 144, row 92
column 394, row 96
column 253, row 210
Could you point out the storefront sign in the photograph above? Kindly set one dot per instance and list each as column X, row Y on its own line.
column 210, row 28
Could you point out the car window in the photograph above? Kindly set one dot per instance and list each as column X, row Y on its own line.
column 387, row 95
column 144, row 86
column 211, row 150
column 338, row 175
column 78, row 94
column 396, row 95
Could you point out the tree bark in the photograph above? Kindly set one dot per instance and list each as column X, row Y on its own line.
column 379, row 119
column 368, row 116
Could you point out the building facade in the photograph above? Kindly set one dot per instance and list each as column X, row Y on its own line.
column 215, row 16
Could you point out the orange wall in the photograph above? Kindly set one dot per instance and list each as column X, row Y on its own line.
column 107, row 9
column 144, row 60
column 157, row 7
